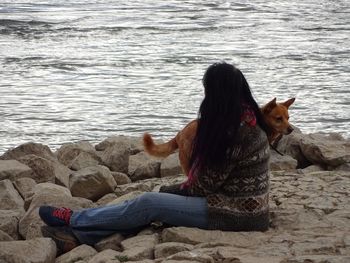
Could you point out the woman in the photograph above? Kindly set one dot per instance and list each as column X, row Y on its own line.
column 227, row 187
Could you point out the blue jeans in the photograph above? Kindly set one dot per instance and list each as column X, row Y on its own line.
column 92, row 224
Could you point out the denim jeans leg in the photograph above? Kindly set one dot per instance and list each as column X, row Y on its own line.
column 93, row 224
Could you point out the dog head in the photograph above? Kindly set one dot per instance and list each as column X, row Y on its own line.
column 277, row 117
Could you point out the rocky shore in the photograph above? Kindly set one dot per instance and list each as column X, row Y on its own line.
column 309, row 200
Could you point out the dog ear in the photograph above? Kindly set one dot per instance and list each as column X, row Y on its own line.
column 289, row 102
column 269, row 106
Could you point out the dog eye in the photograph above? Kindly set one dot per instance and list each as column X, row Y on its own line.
column 279, row 119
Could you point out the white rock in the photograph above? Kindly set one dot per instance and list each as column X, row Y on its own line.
column 142, row 166
column 170, row 166
column 10, row 199
column 82, row 252
column 12, row 170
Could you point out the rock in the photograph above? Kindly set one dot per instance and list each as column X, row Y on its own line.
column 290, row 145
column 12, row 170
column 104, row 200
column 116, row 157
column 10, row 198
column 191, row 257
column 310, row 169
column 111, row 242
column 24, row 186
column 82, row 252
column 9, row 222
column 37, row 149
column 106, row 256
column 31, row 222
column 140, row 247
column 69, row 151
column 285, row 162
column 142, row 166
column 134, row 144
column 170, row 166
column 121, row 178
column 43, row 168
column 5, row 237
column 330, row 149
column 92, row 182
column 170, row 248
column 317, row 259
column 196, row 236
column 48, row 189
column 343, row 167
column 46, row 170
column 83, row 160
column 127, row 188
column 39, row 250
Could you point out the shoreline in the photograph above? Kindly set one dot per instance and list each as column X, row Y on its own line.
column 309, row 191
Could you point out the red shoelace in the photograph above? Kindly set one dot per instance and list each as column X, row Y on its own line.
column 63, row 213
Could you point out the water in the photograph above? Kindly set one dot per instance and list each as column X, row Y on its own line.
column 86, row 70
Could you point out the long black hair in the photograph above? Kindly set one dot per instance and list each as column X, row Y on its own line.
column 219, row 117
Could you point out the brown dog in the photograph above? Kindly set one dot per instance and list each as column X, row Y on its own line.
column 275, row 114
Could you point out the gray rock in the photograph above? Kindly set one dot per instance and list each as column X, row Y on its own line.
column 191, row 256
column 121, row 178
column 290, row 145
column 196, row 236
column 310, row 169
column 326, row 149
column 142, row 166
column 39, row 250
column 111, row 242
column 24, row 186
column 125, row 197
column 105, row 256
column 170, row 166
column 10, row 199
column 9, row 222
column 164, row 250
column 5, row 237
column 69, row 151
column 83, row 160
column 134, row 144
column 140, row 247
column 82, row 252
column 116, row 157
column 285, row 162
column 92, row 182
column 12, row 170
column 127, row 188
column 31, row 220
column 29, row 148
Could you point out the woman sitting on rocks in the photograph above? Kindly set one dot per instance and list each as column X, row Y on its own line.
column 227, row 188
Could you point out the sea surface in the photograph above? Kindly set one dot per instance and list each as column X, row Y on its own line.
column 85, row 70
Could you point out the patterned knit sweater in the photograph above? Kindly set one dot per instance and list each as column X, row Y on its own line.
column 238, row 196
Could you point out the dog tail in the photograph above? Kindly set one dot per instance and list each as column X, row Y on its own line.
column 159, row 150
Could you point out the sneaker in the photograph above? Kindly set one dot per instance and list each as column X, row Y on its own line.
column 62, row 236
column 53, row 216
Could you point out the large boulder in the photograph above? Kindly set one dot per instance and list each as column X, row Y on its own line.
column 195, row 236
column 326, row 149
column 69, row 151
column 92, row 182
column 24, row 186
column 29, row 148
column 140, row 247
column 12, row 169
column 116, row 157
column 30, row 223
column 83, row 160
column 9, row 222
column 82, row 252
column 10, row 199
column 142, row 166
column 170, row 166
column 39, row 250
column 279, row 162
column 43, row 168
column 134, row 144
